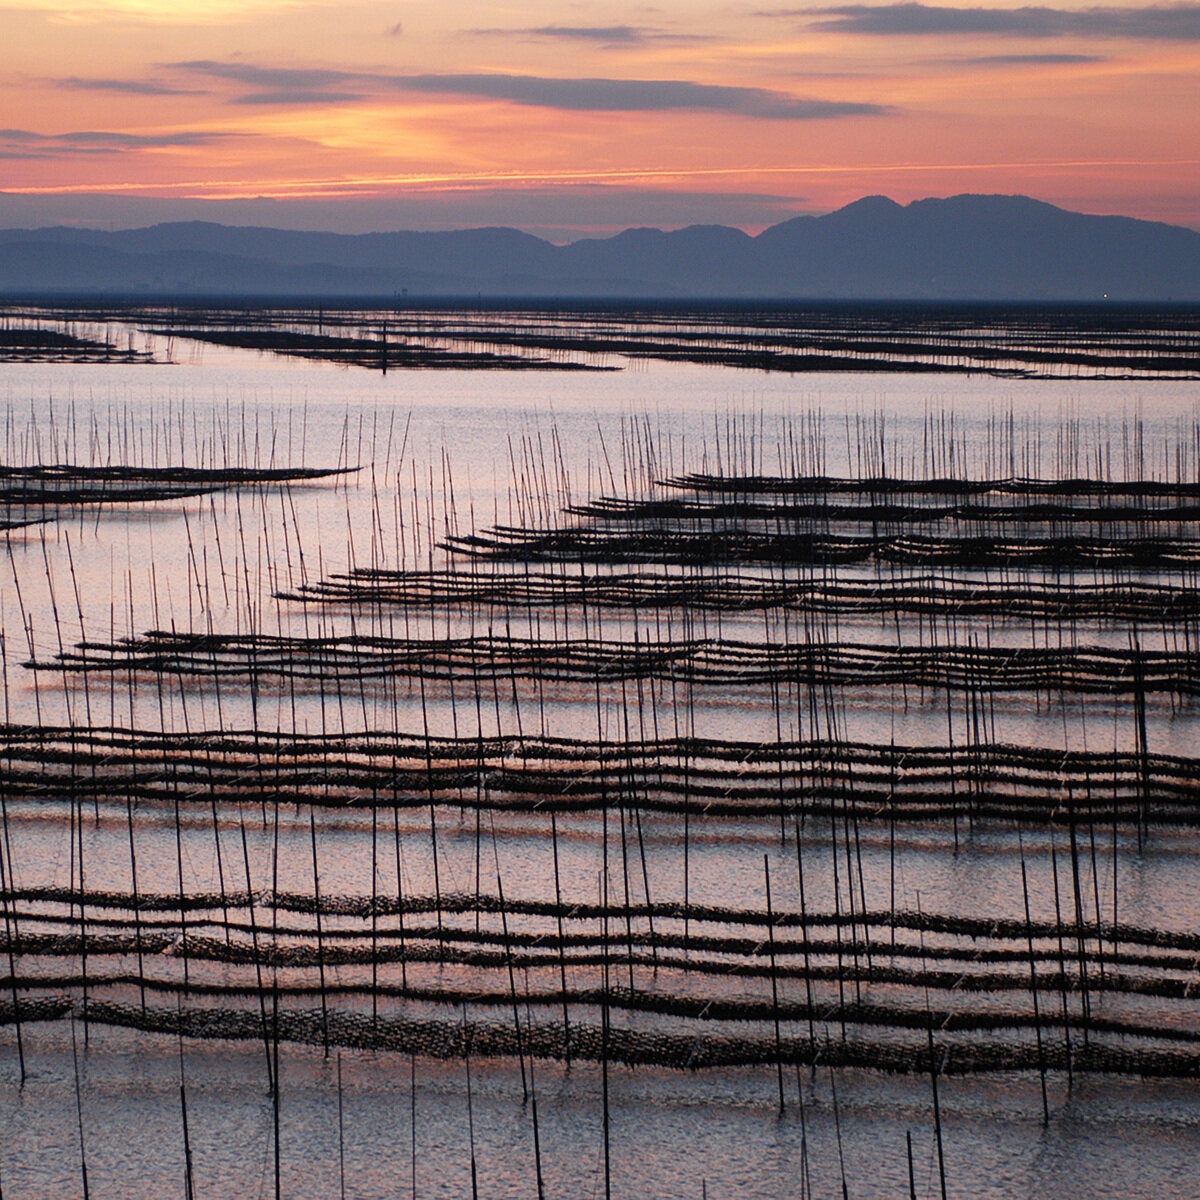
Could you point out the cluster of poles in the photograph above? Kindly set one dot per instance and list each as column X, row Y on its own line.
column 598, row 785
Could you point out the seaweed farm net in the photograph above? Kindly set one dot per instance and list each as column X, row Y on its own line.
column 625, row 963
column 672, row 760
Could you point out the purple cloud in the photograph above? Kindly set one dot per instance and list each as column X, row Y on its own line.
column 1179, row 22
column 288, row 85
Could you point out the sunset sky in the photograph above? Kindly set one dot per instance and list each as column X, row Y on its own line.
column 574, row 119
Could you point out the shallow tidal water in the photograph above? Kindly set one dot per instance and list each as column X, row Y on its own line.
column 672, row 1134
column 440, row 452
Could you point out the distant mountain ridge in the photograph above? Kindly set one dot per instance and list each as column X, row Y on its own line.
column 988, row 248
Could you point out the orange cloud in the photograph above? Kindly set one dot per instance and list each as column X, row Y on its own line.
column 232, row 100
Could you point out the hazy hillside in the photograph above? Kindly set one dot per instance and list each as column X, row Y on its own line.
column 963, row 248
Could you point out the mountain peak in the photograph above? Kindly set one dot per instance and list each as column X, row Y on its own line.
column 869, row 206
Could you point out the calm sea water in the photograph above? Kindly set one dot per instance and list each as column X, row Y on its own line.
column 439, row 453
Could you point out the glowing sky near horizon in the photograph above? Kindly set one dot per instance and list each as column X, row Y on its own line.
column 568, row 119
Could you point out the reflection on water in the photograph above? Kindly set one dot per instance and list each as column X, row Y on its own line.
column 508, row 847
column 673, row 1135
